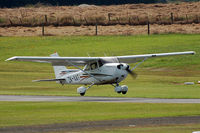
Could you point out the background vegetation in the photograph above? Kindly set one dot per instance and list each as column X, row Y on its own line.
column 129, row 14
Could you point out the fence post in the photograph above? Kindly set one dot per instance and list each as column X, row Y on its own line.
column 20, row 20
column 11, row 23
column 148, row 27
column 109, row 14
column 43, row 30
column 186, row 17
column 172, row 18
column 96, row 33
column 45, row 18
column 138, row 19
column 197, row 17
column 129, row 20
column 74, row 21
column 118, row 20
column 86, row 21
column 160, row 19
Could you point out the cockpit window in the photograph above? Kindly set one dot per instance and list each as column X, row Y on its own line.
column 93, row 65
column 100, row 63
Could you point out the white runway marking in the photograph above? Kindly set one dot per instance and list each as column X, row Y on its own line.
column 93, row 99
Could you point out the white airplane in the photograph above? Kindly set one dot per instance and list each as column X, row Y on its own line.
column 96, row 70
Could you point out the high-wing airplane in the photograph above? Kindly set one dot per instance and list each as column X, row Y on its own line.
column 96, row 71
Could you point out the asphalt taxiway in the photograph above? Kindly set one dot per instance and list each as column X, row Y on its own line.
column 92, row 99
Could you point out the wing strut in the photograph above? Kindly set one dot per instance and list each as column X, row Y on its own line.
column 139, row 63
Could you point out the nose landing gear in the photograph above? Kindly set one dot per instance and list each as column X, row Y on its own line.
column 121, row 89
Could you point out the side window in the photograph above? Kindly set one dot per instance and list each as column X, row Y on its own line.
column 93, row 66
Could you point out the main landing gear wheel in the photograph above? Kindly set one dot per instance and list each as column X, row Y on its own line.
column 81, row 90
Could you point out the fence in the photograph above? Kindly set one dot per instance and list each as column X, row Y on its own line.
column 110, row 19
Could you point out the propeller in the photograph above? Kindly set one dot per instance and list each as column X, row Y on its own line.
column 132, row 73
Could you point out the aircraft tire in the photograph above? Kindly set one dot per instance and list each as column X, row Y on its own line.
column 124, row 92
column 82, row 94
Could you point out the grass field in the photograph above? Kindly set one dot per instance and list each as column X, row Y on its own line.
column 158, row 77
column 36, row 113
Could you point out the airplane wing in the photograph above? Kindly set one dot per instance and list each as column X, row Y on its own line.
column 136, row 58
column 65, row 61
column 70, row 61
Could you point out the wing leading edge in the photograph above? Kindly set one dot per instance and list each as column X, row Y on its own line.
column 68, row 61
column 136, row 58
column 55, row 60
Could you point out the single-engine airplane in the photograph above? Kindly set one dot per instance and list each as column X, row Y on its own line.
column 96, row 71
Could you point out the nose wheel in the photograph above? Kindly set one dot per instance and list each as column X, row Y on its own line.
column 121, row 89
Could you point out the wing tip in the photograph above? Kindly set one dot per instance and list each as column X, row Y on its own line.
column 193, row 52
column 35, row 80
column 11, row 58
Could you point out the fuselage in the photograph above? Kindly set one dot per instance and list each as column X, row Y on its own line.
column 108, row 73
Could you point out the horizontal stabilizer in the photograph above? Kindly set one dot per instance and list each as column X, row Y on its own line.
column 61, row 80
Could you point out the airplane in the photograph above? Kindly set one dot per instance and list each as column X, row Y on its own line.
column 95, row 71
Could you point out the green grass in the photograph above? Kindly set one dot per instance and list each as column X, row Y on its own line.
column 36, row 113
column 158, row 77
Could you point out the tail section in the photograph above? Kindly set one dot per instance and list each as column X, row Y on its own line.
column 58, row 70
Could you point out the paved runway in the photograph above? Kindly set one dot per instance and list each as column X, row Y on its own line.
column 93, row 99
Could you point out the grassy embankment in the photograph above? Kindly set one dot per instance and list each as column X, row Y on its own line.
column 158, row 77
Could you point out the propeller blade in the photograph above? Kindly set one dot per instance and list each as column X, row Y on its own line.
column 133, row 74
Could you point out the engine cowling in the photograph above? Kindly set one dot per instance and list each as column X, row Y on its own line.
column 124, row 89
column 81, row 90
